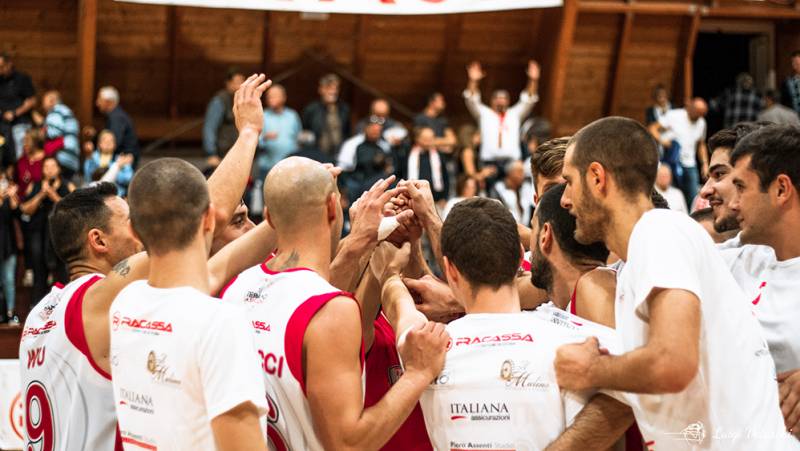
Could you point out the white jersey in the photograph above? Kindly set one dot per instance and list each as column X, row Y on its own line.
column 179, row 358
column 732, row 403
column 67, row 397
column 279, row 306
column 498, row 388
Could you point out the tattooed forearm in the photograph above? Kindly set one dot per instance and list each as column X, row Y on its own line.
column 122, row 268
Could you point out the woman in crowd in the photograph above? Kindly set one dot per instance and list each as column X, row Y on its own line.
column 103, row 165
column 29, row 166
column 9, row 211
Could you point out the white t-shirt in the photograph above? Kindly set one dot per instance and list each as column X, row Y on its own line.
column 179, row 358
column 498, row 388
column 675, row 198
column 509, row 198
column 686, row 132
column 500, row 138
column 733, row 399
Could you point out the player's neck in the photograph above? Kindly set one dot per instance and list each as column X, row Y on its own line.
column 486, row 300
column 85, row 267
column 564, row 279
column 623, row 219
column 784, row 238
column 187, row 267
column 302, row 253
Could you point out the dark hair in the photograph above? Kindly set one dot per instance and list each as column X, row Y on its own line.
column 78, row 212
column 232, row 72
column 623, row 147
column 480, row 238
column 329, row 79
column 418, row 131
column 461, row 183
column 168, row 198
column 658, row 200
column 703, row 214
column 773, row 95
column 773, row 150
column 550, row 211
column 729, row 137
column 432, row 96
column 796, row 54
column 548, row 159
column 658, row 88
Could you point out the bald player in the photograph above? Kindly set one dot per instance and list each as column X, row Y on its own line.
column 181, row 381
column 694, row 356
column 308, row 332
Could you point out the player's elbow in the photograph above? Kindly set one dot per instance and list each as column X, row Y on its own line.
column 672, row 374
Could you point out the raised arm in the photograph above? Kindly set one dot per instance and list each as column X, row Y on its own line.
column 472, row 95
column 228, row 182
column 530, row 95
column 421, row 202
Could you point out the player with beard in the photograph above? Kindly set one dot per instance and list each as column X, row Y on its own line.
column 309, row 333
column 689, row 336
column 766, row 174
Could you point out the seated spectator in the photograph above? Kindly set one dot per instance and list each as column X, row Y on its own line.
column 424, row 162
column 433, row 116
column 373, row 160
column 515, row 193
column 380, row 107
column 328, row 117
column 104, row 160
column 61, row 133
column 29, row 166
column 279, row 136
column 466, row 187
column 347, row 156
column 775, row 112
column 9, row 213
column 40, row 198
column 673, row 195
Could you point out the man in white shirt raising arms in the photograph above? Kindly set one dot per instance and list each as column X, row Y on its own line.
column 696, row 370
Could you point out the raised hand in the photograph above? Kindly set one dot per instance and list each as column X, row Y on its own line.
column 421, row 201
column 367, row 212
column 475, row 71
column 434, row 298
column 533, row 71
column 388, row 261
column 248, row 111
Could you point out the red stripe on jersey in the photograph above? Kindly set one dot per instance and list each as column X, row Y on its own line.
column 227, row 285
column 73, row 322
column 135, row 442
column 296, row 331
column 118, row 440
column 59, row 285
column 634, row 439
column 526, row 265
column 572, row 308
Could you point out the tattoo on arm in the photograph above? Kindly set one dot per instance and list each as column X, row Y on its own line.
column 122, row 268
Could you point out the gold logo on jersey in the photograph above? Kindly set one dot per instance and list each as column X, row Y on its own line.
column 157, row 366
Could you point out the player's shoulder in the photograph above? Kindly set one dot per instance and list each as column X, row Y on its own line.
column 668, row 228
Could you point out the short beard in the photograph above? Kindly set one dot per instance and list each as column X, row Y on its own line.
column 590, row 220
column 726, row 224
column 541, row 270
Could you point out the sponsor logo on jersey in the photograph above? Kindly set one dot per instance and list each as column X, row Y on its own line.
column 564, row 319
column 137, row 440
column 48, row 309
column 491, row 340
column 261, row 326
column 157, row 367
column 481, row 446
column 271, row 363
column 139, row 324
column 479, row 411
column 517, row 376
column 35, row 331
column 136, row 401
column 255, row 296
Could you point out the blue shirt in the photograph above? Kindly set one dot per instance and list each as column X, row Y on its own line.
column 60, row 122
column 287, row 125
column 124, row 175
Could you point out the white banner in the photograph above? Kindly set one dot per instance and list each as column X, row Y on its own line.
column 11, row 421
column 366, row 6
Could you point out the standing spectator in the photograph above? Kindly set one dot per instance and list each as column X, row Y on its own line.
column 61, row 133
column 393, row 131
column 118, row 121
column 739, row 104
column 661, row 105
column 790, row 89
column 219, row 128
column 103, row 160
column 433, row 116
column 515, row 193
column 424, row 162
column 281, row 127
column 39, row 201
column 499, row 123
column 9, row 211
column 673, row 195
column 775, row 112
column 373, row 160
column 17, row 99
column 469, row 143
column 682, row 132
column 466, row 187
column 29, row 166
column 328, row 117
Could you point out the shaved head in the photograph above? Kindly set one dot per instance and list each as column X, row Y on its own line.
column 296, row 190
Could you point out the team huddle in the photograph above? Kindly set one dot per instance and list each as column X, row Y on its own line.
column 176, row 333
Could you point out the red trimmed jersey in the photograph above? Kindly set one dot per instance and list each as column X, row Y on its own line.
column 382, row 369
column 68, row 399
column 279, row 306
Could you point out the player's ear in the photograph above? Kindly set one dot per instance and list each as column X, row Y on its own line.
column 332, row 206
column 209, row 219
column 597, row 177
column 784, row 188
column 268, row 218
column 450, row 271
column 97, row 241
column 546, row 238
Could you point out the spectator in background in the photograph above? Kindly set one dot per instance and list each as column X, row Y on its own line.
column 466, row 187
column 661, row 105
column 790, row 89
column 424, row 162
column 39, row 201
column 104, row 160
column 514, row 192
column 307, row 148
column 279, row 137
column 373, row 160
column 499, row 123
column 742, row 103
column 328, row 117
column 775, row 112
column 682, row 133
column 380, row 107
column 61, row 133
column 673, row 195
column 433, row 116
column 17, row 99
column 546, row 165
column 9, row 212
column 118, row 121
column 469, row 142
column 29, row 166
column 219, row 127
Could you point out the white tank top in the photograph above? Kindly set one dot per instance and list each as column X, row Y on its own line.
column 67, row 398
column 279, row 306
column 498, row 389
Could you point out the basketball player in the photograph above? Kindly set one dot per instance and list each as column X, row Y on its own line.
column 690, row 338
column 91, row 235
column 185, row 375
column 308, row 332
column 497, row 389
